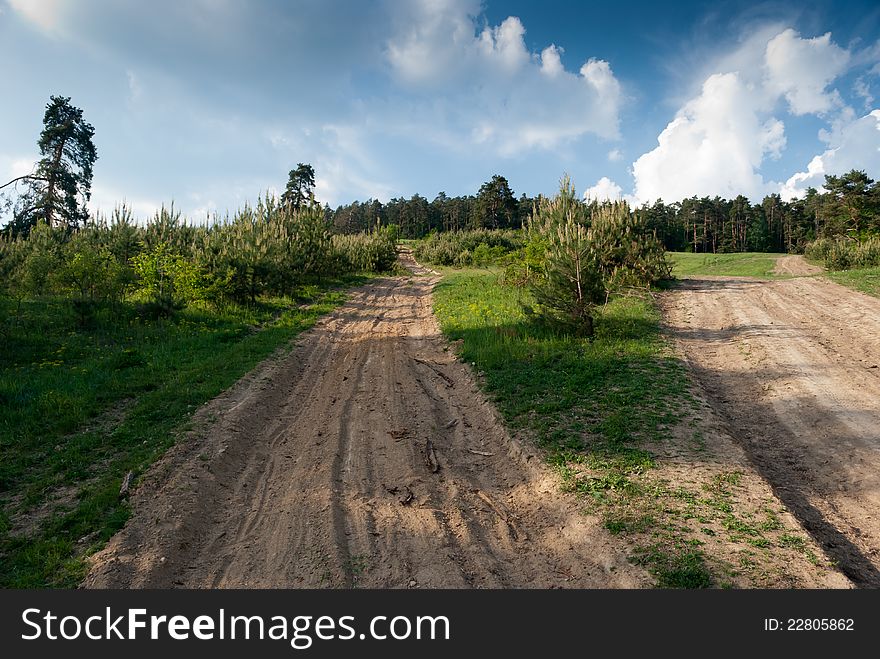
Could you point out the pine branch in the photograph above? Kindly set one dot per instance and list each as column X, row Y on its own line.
column 29, row 177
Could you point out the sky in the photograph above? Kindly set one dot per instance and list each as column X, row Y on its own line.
column 209, row 103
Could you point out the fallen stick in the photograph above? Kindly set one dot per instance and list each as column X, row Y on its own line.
column 431, row 457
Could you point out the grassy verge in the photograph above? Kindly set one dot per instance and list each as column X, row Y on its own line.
column 746, row 264
column 866, row 280
column 79, row 408
column 609, row 413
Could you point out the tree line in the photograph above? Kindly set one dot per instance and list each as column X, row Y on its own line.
column 57, row 189
column 850, row 206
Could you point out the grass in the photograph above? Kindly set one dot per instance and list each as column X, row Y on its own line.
column 746, row 264
column 594, row 406
column 603, row 411
column 80, row 408
column 866, row 280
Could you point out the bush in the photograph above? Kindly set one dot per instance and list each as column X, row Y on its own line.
column 819, row 249
column 167, row 280
column 366, row 252
column 628, row 255
column 40, row 256
column 572, row 279
column 465, row 248
column 845, row 253
column 89, row 275
column 574, row 258
column 267, row 249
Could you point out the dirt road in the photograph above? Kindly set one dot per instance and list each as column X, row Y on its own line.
column 795, row 264
column 793, row 368
column 365, row 457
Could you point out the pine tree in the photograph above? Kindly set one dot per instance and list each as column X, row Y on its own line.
column 62, row 182
column 299, row 192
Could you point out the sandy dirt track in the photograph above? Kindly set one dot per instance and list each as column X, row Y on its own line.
column 793, row 368
column 795, row 264
column 365, row 457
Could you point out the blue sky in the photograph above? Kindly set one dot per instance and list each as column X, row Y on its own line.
column 210, row 102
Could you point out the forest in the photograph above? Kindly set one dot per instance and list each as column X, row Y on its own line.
column 849, row 206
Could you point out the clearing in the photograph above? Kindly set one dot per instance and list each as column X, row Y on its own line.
column 792, row 367
column 366, row 457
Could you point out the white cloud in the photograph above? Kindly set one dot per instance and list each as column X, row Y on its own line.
column 484, row 87
column 801, row 70
column 551, row 63
column 719, row 139
column 856, row 146
column 863, row 90
column 713, row 146
column 604, row 190
column 505, row 44
column 598, row 73
column 432, row 38
column 615, row 155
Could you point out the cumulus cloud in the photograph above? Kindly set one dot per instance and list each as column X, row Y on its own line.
column 713, row 146
column 604, row 190
column 719, row 139
column 489, row 89
column 801, row 70
column 429, row 38
column 855, row 146
column 551, row 62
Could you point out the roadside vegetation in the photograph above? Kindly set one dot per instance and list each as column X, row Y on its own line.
column 115, row 330
column 617, row 420
column 866, row 280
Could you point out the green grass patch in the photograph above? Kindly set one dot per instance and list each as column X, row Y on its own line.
column 79, row 408
column 683, row 567
column 866, row 280
column 745, row 264
column 596, row 407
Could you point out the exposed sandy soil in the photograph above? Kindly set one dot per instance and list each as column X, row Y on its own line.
column 792, row 367
column 364, row 457
column 795, row 264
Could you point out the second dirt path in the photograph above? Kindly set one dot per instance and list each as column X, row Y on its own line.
column 793, row 368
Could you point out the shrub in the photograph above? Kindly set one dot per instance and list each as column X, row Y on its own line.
column 366, row 252
column 572, row 280
column 574, row 258
column 845, row 253
column 89, row 275
column 465, row 248
column 167, row 280
column 628, row 255
column 267, row 249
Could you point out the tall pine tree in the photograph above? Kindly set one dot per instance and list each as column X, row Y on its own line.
column 61, row 184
